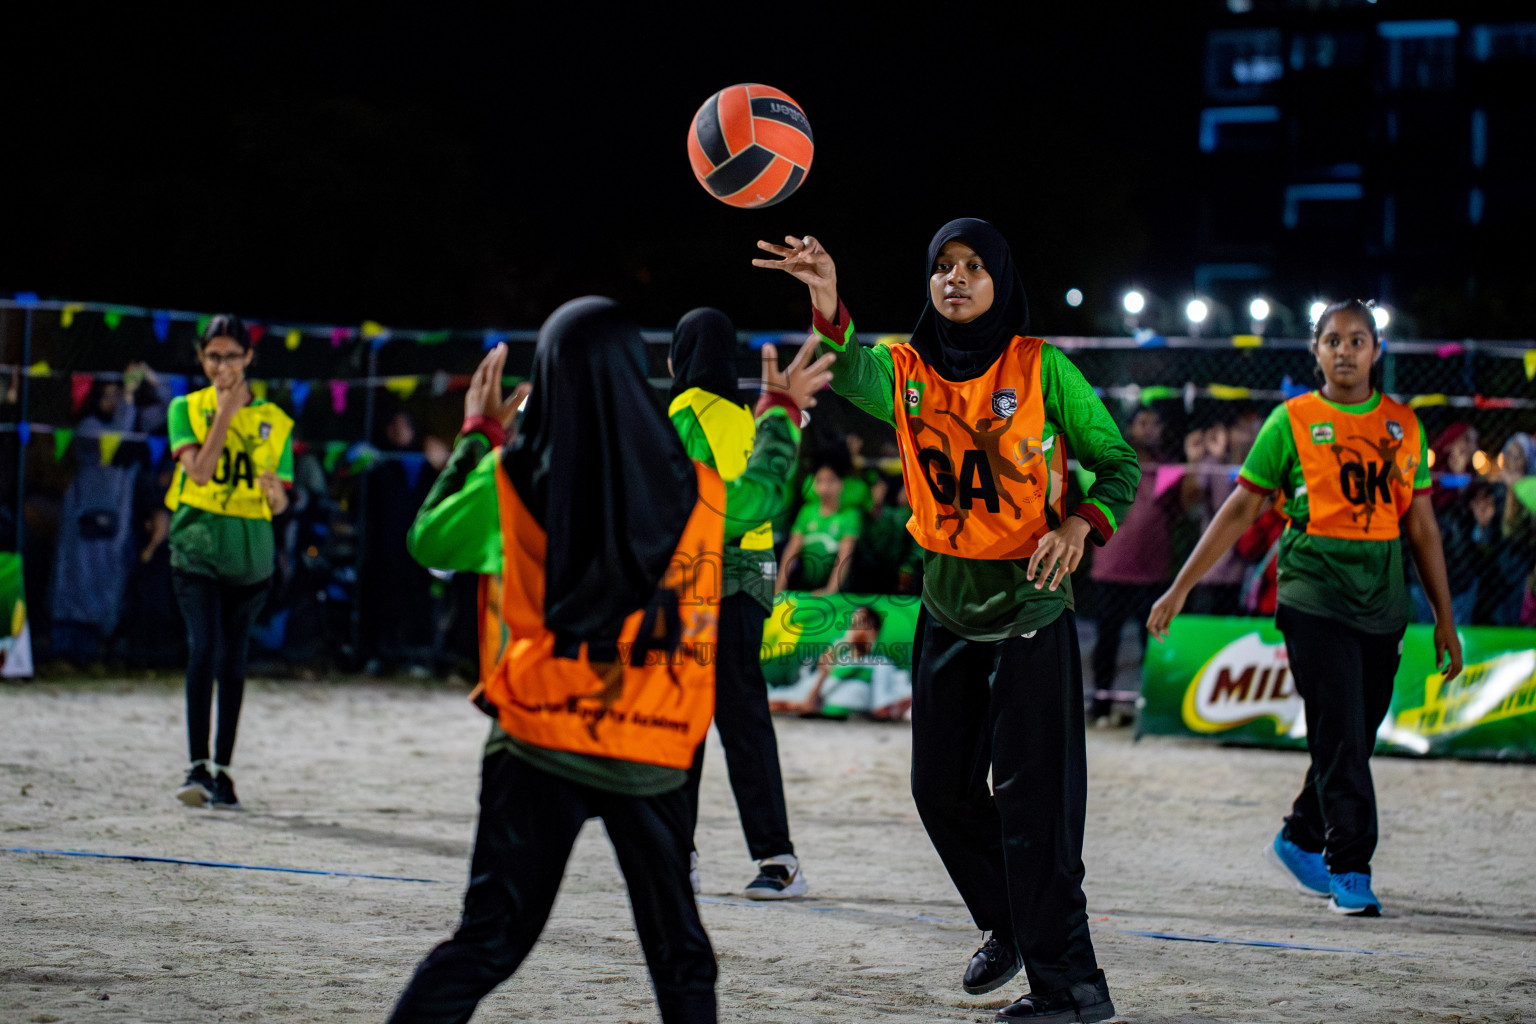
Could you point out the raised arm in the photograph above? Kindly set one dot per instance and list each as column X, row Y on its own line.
column 201, row 460
column 862, row 375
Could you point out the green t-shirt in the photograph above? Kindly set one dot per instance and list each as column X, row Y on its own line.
column 1358, row 582
column 821, row 535
column 991, row 599
column 231, row 549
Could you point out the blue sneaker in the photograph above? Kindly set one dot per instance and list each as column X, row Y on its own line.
column 1351, row 894
column 1305, row 870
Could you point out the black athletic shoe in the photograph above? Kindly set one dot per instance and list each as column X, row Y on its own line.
column 991, row 967
column 224, row 798
column 197, row 790
column 1081, row 1003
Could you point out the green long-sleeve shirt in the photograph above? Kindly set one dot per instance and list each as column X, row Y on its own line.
column 987, row 599
column 459, row 527
column 746, row 571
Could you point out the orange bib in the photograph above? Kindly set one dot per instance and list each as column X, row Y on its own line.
column 1358, row 468
column 971, row 454
column 655, row 703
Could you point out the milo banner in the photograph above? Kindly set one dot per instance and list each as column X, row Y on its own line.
column 803, row 625
column 1229, row 679
column 16, row 640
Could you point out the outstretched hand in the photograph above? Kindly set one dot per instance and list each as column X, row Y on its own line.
column 804, row 376
column 484, row 396
column 1163, row 611
column 805, row 259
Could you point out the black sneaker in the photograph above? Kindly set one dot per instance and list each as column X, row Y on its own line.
column 224, row 798
column 1084, row 1002
column 197, row 790
column 778, row 878
column 991, row 967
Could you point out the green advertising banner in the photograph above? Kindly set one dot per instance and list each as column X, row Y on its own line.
column 15, row 642
column 1229, row 679
column 803, row 625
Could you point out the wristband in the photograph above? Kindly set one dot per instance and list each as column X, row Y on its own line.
column 488, row 425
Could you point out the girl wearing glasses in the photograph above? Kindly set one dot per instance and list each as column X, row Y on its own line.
column 234, row 456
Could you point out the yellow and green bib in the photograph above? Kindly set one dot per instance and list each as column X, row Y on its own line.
column 253, row 445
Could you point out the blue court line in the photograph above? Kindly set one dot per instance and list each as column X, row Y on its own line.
column 1260, row 942
column 217, row 864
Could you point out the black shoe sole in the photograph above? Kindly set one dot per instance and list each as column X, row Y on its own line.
column 1089, row 1014
column 995, row 983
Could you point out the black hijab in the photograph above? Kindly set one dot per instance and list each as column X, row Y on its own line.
column 601, row 469
column 703, row 353
column 961, row 352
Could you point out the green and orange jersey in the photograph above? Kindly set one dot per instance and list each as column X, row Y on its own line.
column 459, row 527
column 223, row 529
column 1342, row 557
column 988, row 456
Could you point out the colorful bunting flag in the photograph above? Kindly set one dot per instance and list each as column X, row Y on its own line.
column 79, row 389
column 374, row 332
column 258, row 389
column 177, row 382
column 292, row 341
column 61, row 438
column 1530, row 363
column 40, row 369
column 202, row 324
column 333, row 450
column 404, row 387
column 339, row 335
column 1228, row 393
column 433, row 337
column 162, row 326
column 1247, row 340
column 110, row 441
column 67, row 314
column 298, row 394
column 411, row 463
column 338, row 396
column 24, row 431
column 157, row 447
column 112, row 318
column 258, row 331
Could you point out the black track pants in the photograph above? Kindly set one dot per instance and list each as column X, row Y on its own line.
column 1344, row 677
column 219, row 619
column 529, row 820
column 1015, row 852
column 746, row 732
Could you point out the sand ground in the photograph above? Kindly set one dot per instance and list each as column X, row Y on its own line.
column 375, row 778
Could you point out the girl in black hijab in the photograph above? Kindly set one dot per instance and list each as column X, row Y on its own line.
column 601, row 516
column 985, row 417
column 717, row 430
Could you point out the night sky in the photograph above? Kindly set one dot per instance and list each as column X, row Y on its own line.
column 449, row 168
column 464, row 168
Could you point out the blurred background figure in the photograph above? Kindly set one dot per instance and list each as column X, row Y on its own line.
column 819, row 553
column 1134, row 566
column 1453, row 449
column 96, row 523
column 397, row 617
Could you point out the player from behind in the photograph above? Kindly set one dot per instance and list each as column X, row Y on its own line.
column 604, row 623
column 718, row 431
column 1351, row 463
column 983, row 414
column 234, row 457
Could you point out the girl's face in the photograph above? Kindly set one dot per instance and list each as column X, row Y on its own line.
column 960, row 287
column 224, row 361
column 828, row 485
column 1345, row 349
column 1514, row 459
